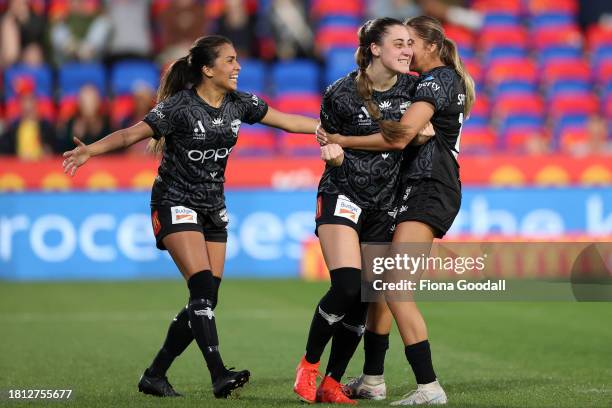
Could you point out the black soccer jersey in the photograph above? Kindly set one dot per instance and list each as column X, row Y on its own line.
column 367, row 178
column 437, row 159
column 199, row 140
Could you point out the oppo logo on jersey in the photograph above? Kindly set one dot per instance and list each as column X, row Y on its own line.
column 215, row 154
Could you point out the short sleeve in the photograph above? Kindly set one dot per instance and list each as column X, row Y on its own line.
column 329, row 114
column 163, row 117
column 430, row 89
column 254, row 108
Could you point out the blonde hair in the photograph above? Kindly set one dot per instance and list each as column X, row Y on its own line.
column 430, row 30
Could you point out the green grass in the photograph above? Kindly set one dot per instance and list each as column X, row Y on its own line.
column 96, row 338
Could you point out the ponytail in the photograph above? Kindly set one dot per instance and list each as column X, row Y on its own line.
column 450, row 56
column 372, row 32
column 175, row 79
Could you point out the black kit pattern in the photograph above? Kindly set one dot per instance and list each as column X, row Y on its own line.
column 199, row 140
column 437, row 159
column 368, row 179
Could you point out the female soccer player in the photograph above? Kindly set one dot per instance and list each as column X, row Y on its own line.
column 356, row 199
column 195, row 125
column 430, row 196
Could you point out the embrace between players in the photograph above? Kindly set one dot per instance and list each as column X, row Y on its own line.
column 390, row 141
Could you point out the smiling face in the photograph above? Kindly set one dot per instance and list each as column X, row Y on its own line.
column 395, row 51
column 224, row 73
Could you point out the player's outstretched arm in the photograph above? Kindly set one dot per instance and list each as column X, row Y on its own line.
column 123, row 138
column 289, row 122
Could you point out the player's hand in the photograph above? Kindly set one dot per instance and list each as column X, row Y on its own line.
column 332, row 154
column 76, row 157
column 321, row 135
column 424, row 135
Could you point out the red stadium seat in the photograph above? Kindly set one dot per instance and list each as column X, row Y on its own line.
column 496, row 36
column 599, row 35
column 481, row 106
column 336, row 37
column 461, row 36
column 308, row 104
column 291, row 144
column 522, row 69
column 580, row 104
column 477, row 139
column 518, row 103
column 498, row 6
column 546, row 37
column 120, row 109
column 517, row 139
column 573, row 138
column 474, row 69
column 320, row 8
column 545, row 6
column 603, row 73
column 44, row 106
column 566, row 69
column 608, row 107
column 255, row 141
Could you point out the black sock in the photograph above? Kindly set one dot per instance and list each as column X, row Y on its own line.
column 345, row 340
column 375, row 347
column 178, row 338
column 202, row 320
column 419, row 357
column 217, row 281
column 344, row 291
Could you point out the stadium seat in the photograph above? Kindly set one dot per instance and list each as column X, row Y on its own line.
column 565, row 87
column 320, row 8
column 552, row 19
column 546, row 37
column 477, row 139
column 513, row 87
column 304, row 104
column 536, row 7
column 599, row 35
column 502, row 37
column 573, row 69
column 252, row 77
column 558, row 52
column 463, row 37
column 608, row 108
column 338, row 20
column 126, row 76
column 336, row 37
column 255, row 140
column 512, row 70
column 498, row 6
column 501, row 19
column 525, row 122
column 297, row 76
column 504, row 52
column 601, row 55
column 291, row 144
column 567, row 124
column 572, row 139
column 338, row 63
column 73, row 76
column 516, row 104
column 481, row 107
column 41, row 78
column 574, row 104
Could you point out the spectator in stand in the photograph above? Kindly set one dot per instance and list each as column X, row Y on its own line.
column 179, row 25
column 130, row 29
column 29, row 137
column 22, row 32
column 89, row 124
column 238, row 25
column 290, row 28
column 81, row 34
column 144, row 100
column 449, row 11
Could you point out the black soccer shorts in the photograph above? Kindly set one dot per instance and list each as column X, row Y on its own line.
column 371, row 225
column 169, row 219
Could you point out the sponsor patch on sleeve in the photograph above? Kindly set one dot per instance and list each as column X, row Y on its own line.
column 347, row 209
column 183, row 215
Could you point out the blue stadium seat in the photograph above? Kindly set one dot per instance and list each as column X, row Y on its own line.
column 252, row 77
column 504, row 52
column 548, row 54
column 338, row 63
column 41, row 76
column 73, row 76
column 513, row 87
column 495, row 19
column 568, row 87
column 338, row 20
column 298, row 76
column 552, row 20
column 126, row 76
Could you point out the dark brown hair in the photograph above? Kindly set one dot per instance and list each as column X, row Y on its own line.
column 187, row 71
column 373, row 32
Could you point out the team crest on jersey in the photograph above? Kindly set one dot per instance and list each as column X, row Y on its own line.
column 199, row 132
column 345, row 208
column 235, row 126
column 404, row 106
column 384, row 105
column 216, row 122
column 364, row 117
column 183, row 215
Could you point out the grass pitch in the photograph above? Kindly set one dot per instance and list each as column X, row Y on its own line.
column 97, row 338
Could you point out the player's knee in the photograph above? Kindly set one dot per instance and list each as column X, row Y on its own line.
column 201, row 286
column 346, row 283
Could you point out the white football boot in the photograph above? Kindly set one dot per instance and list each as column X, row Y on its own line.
column 425, row 394
column 367, row 387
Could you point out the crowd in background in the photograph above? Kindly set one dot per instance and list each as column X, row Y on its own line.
column 55, row 32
